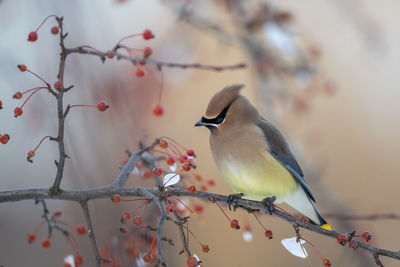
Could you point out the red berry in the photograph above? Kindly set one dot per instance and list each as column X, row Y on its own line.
column 203, row 188
column 46, row 243
column 78, row 260
column 32, row 37
column 147, row 51
column 55, row 30
column 22, row 67
column 116, row 198
column 235, row 224
column 353, row 245
column 138, row 220
column 1, row 104
column 192, row 261
column 57, row 213
column 148, row 258
column 186, row 167
column 183, row 158
column 163, row 143
column 81, row 229
column 147, row 34
column 170, row 208
column 102, row 106
column 139, row 72
column 157, row 171
column 190, row 153
column 198, row 208
column 158, row 110
column 326, row 262
column 367, row 236
column 304, row 219
column 198, row 177
column 31, row 238
column 58, row 85
column 191, row 189
column 268, row 233
column 31, row 153
column 170, row 161
column 205, row 248
column 125, row 216
column 4, row 139
column 66, row 264
column 18, row 112
column 142, row 62
column 17, row 95
column 342, row 239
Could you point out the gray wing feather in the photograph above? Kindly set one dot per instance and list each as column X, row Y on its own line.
column 280, row 150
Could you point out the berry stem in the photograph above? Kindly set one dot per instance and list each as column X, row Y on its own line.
column 141, row 205
column 40, row 78
column 187, row 229
column 180, row 201
column 41, row 141
column 284, row 211
column 41, row 24
column 127, row 37
column 161, row 86
column 259, row 222
column 226, row 215
column 315, row 249
column 27, row 91
column 174, row 141
column 34, row 92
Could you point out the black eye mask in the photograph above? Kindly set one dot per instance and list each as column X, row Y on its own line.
column 217, row 120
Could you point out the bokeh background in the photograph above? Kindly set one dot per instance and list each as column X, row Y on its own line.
column 325, row 72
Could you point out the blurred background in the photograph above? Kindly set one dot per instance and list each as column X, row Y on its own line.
column 323, row 71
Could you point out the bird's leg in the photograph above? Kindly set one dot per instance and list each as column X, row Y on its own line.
column 269, row 203
column 233, row 200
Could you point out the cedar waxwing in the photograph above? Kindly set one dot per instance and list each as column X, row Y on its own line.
column 253, row 156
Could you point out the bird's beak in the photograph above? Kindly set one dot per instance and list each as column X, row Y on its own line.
column 199, row 123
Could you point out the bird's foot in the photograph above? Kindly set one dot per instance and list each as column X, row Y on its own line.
column 269, row 203
column 233, row 200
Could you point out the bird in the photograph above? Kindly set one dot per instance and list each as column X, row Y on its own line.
column 253, row 156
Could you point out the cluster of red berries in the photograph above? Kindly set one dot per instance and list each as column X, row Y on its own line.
column 343, row 239
column 33, row 36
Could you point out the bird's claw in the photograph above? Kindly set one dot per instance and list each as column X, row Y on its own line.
column 233, row 200
column 269, row 203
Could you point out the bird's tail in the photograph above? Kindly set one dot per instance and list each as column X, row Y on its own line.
column 323, row 223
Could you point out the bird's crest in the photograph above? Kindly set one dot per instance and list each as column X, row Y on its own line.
column 222, row 99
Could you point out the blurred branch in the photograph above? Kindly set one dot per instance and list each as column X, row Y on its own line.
column 363, row 217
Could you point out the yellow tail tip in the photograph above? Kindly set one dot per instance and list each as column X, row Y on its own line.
column 327, row 227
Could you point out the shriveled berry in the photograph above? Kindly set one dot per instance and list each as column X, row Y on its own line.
column 170, row 208
column 157, row 171
column 205, row 248
column 58, row 85
column 158, row 110
column 102, row 106
column 125, row 216
column 22, row 67
column 138, row 220
column 235, row 224
column 147, row 51
column 203, row 188
column 170, row 161
column 78, row 260
column 367, row 236
column 192, row 261
column 139, row 72
column 46, row 243
column 342, row 239
column 55, row 30
column 186, row 167
column 32, row 36
column 66, row 264
column 17, row 95
column 191, row 189
column 198, row 177
column 116, row 198
column 147, row 34
column 1, row 104
column 190, row 153
column 183, row 158
column 81, row 229
column 268, row 233
column 18, row 111
column 211, row 182
column 148, row 258
column 31, row 153
column 353, row 245
column 326, row 262
column 31, row 238
column 163, row 143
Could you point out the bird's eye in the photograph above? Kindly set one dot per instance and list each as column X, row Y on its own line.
column 217, row 120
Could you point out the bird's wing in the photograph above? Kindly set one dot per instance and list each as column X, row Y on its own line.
column 280, row 150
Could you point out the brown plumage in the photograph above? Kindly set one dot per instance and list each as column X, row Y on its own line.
column 252, row 155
